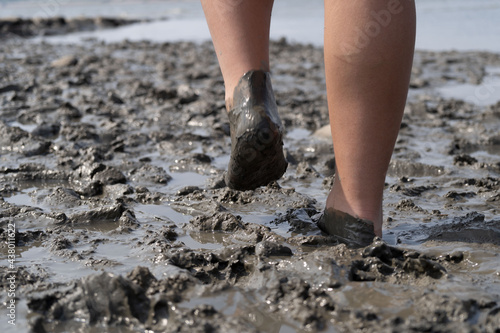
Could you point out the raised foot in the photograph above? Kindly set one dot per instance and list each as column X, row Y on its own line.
column 256, row 134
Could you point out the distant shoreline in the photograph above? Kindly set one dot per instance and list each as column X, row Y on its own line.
column 442, row 25
column 25, row 28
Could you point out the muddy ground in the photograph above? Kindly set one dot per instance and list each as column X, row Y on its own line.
column 111, row 169
column 16, row 27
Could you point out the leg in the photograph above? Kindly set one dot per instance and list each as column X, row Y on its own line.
column 240, row 33
column 369, row 47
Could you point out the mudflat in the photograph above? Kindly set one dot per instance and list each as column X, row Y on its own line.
column 112, row 169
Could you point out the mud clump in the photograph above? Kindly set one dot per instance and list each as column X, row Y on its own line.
column 98, row 299
column 112, row 167
column 217, row 222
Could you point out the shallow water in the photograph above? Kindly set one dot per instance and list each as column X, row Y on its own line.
column 486, row 93
column 442, row 24
column 145, row 219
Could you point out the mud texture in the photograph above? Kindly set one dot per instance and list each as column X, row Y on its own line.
column 112, row 169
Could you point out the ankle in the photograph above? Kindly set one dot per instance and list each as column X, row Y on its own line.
column 232, row 83
column 229, row 103
column 370, row 210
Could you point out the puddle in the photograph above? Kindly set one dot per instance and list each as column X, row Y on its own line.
column 103, row 226
column 236, row 304
column 59, row 269
column 25, row 127
column 312, row 188
column 298, row 134
column 203, row 240
column 21, row 199
column 221, row 162
column 24, row 197
column 163, row 211
column 183, row 179
column 486, row 93
column 493, row 149
column 370, row 296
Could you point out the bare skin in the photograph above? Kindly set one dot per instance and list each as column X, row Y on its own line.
column 240, row 33
column 368, row 57
column 367, row 84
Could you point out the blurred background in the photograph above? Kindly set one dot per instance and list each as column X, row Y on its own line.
column 442, row 24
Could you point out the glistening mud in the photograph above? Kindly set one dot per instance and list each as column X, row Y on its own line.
column 111, row 167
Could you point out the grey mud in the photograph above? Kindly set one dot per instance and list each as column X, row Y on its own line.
column 112, row 169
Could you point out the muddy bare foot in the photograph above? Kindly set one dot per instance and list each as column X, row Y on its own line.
column 352, row 231
column 256, row 134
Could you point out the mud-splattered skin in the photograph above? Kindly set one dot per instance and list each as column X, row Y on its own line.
column 354, row 232
column 112, row 169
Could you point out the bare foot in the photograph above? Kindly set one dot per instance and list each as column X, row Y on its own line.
column 354, row 232
column 368, row 210
column 256, row 134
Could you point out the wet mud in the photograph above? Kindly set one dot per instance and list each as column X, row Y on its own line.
column 16, row 27
column 112, row 169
